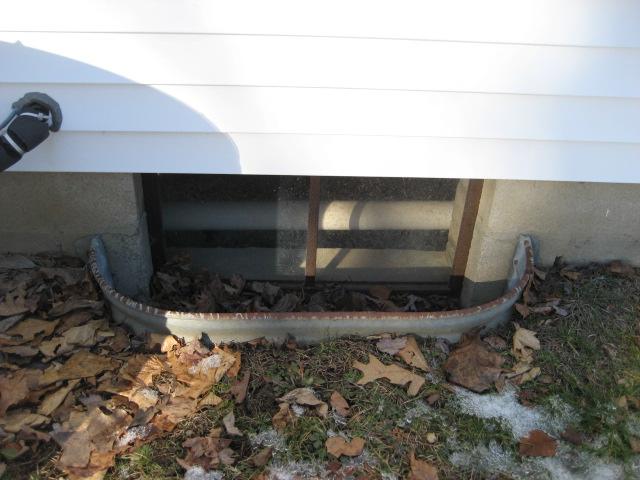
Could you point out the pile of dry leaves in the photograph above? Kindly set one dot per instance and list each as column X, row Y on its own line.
column 71, row 376
column 178, row 287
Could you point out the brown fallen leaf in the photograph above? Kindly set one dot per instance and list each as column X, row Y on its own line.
column 234, row 369
column 141, row 369
column 572, row 435
column 412, row 355
column 29, row 328
column 339, row 404
column 82, row 364
column 13, row 304
column 16, row 420
column 283, row 417
column 375, row 370
column 207, row 452
column 537, row 444
column 261, row 458
column 15, row 387
column 472, row 365
column 391, row 345
column 380, row 291
column 634, row 443
column 421, row 470
column 338, row 446
column 523, row 310
column 54, row 400
column 87, row 440
column 229, row 422
column 620, row 268
column 72, row 304
column 570, row 274
column 161, row 341
column 81, row 336
column 524, row 343
column 239, row 388
column 306, row 397
column 495, row 342
column 20, row 350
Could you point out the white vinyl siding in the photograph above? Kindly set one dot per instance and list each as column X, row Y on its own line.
column 496, row 89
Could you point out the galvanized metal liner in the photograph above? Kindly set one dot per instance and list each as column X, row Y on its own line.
column 310, row 327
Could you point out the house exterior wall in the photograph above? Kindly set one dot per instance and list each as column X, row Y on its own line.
column 463, row 89
column 581, row 222
column 60, row 212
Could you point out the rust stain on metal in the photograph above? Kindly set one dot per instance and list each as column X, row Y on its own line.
column 510, row 296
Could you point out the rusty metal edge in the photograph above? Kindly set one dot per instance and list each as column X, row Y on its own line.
column 310, row 327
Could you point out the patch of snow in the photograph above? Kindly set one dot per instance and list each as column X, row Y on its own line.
column 206, row 364
column 505, row 408
column 269, row 438
column 297, row 470
column 298, row 410
column 134, row 433
column 199, row 473
column 421, row 409
column 568, row 464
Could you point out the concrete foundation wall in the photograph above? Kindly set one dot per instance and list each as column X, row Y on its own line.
column 582, row 222
column 60, row 212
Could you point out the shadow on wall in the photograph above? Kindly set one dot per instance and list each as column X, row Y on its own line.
column 84, row 117
column 57, row 211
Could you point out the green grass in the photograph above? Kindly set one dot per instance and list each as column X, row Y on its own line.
column 589, row 360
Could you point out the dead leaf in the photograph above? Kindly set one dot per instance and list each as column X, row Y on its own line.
column 380, row 291
column 53, row 400
column 391, row 345
column 495, row 342
column 537, row 444
column 16, row 420
column 72, row 304
column 338, row 446
column 20, row 350
column 620, row 268
column 339, row 404
column 142, row 368
column 162, row 342
column 82, row 364
column 13, row 304
column 207, row 452
column 634, row 443
column 229, row 422
column 29, row 328
column 572, row 435
column 375, row 370
column 13, row 389
column 412, row 355
column 283, row 417
column 523, row 310
column 306, row 397
column 570, row 274
column 472, row 365
column 239, row 388
column 81, row 336
column 524, row 343
column 261, row 458
column 87, row 440
column 421, row 470
column 234, row 369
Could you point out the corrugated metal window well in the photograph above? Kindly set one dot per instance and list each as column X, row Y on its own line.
column 241, row 257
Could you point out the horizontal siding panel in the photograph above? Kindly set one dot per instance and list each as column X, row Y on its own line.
column 567, row 22
column 318, row 62
column 336, row 154
column 129, row 108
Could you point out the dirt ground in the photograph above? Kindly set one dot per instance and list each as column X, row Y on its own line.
column 553, row 394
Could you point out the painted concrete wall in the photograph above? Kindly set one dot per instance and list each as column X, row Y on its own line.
column 582, row 222
column 526, row 89
column 60, row 212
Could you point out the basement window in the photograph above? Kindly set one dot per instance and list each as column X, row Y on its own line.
column 368, row 230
